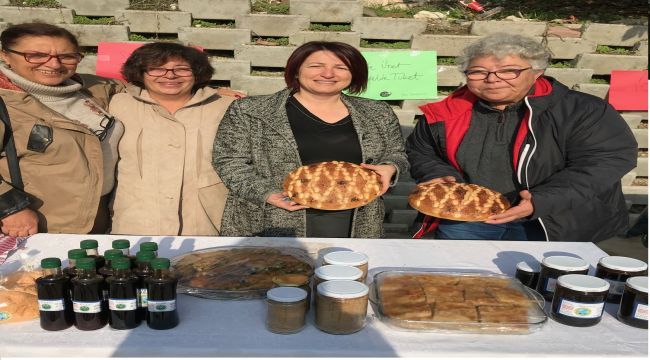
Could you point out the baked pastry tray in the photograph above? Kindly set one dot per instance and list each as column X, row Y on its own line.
column 466, row 302
column 237, row 272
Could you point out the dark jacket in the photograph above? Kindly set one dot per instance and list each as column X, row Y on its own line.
column 255, row 150
column 570, row 152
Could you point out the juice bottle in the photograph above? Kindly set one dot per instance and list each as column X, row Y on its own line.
column 73, row 256
column 143, row 270
column 161, row 289
column 122, row 296
column 91, row 246
column 53, row 289
column 150, row 246
column 90, row 312
column 124, row 245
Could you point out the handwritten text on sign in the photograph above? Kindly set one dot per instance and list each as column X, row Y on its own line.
column 400, row 75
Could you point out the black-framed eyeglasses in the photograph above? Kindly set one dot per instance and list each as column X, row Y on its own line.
column 42, row 58
column 503, row 74
column 160, row 72
column 105, row 125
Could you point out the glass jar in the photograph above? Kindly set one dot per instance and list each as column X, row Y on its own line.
column 528, row 274
column 634, row 302
column 341, row 307
column 579, row 300
column 286, row 309
column 615, row 270
column 336, row 272
column 553, row 267
column 348, row 258
column 294, row 280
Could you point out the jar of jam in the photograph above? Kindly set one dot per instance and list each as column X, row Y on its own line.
column 286, row 309
column 553, row 267
column 528, row 274
column 348, row 258
column 579, row 300
column 341, row 307
column 294, row 280
column 616, row 270
column 634, row 302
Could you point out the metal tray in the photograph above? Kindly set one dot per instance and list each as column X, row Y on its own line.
column 237, row 272
column 532, row 306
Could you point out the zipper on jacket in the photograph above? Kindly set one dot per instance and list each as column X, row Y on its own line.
column 500, row 126
column 530, row 128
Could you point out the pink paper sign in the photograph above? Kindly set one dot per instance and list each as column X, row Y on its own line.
column 628, row 90
column 112, row 55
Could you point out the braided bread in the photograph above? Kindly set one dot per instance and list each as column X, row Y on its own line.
column 332, row 185
column 458, row 201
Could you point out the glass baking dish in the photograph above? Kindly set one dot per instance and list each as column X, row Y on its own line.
column 467, row 302
column 237, row 272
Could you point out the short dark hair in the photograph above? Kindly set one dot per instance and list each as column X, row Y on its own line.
column 13, row 33
column 158, row 53
column 350, row 56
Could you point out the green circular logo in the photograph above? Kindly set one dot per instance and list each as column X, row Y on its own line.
column 84, row 308
column 161, row 307
column 120, row 306
column 582, row 312
column 46, row 306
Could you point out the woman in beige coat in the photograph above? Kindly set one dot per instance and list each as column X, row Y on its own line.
column 165, row 181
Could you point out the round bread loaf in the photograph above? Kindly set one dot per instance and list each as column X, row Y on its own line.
column 332, row 185
column 458, row 201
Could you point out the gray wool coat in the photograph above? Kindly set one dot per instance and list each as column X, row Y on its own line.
column 255, row 149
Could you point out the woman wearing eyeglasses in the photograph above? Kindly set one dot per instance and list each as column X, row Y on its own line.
column 558, row 155
column 65, row 142
column 165, row 181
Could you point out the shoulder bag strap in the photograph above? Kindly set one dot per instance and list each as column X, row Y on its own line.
column 10, row 149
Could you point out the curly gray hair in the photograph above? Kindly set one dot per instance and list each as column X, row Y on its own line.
column 502, row 45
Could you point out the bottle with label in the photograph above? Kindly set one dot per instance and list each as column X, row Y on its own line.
column 90, row 311
column 91, row 246
column 73, row 256
column 161, row 289
column 143, row 270
column 149, row 246
column 53, row 289
column 122, row 296
column 124, row 245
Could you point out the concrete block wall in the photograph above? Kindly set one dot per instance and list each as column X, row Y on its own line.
column 574, row 44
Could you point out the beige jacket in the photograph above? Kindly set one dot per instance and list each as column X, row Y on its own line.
column 165, row 181
column 63, row 177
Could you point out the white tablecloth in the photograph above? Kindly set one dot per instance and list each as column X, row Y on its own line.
column 236, row 328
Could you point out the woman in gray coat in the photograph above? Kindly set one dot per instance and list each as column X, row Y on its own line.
column 261, row 139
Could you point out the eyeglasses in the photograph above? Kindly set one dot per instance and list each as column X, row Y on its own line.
column 42, row 58
column 160, row 72
column 106, row 124
column 504, row 74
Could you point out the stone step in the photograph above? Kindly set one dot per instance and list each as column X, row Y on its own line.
column 395, row 228
column 641, row 136
column 615, row 34
column 213, row 9
column 636, row 194
column 378, row 28
column 331, row 11
column 272, row 25
column 396, row 202
column 599, row 90
column 146, row 21
column 402, row 188
column 405, row 216
column 603, row 64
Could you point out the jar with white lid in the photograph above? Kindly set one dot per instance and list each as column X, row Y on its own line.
column 286, row 309
column 633, row 310
column 552, row 267
column 336, row 272
column 579, row 300
column 528, row 273
column 348, row 258
column 341, row 307
column 616, row 270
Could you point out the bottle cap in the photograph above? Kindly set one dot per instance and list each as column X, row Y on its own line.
column 638, row 283
column 113, row 254
column 622, row 263
column 121, row 244
column 121, row 263
column 145, row 255
column 286, row 294
column 160, row 263
column 86, row 263
column 350, row 258
column 74, row 254
column 51, row 263
column 149, row 245
column 342, row 289
column 583, row 283
column 89, row 244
